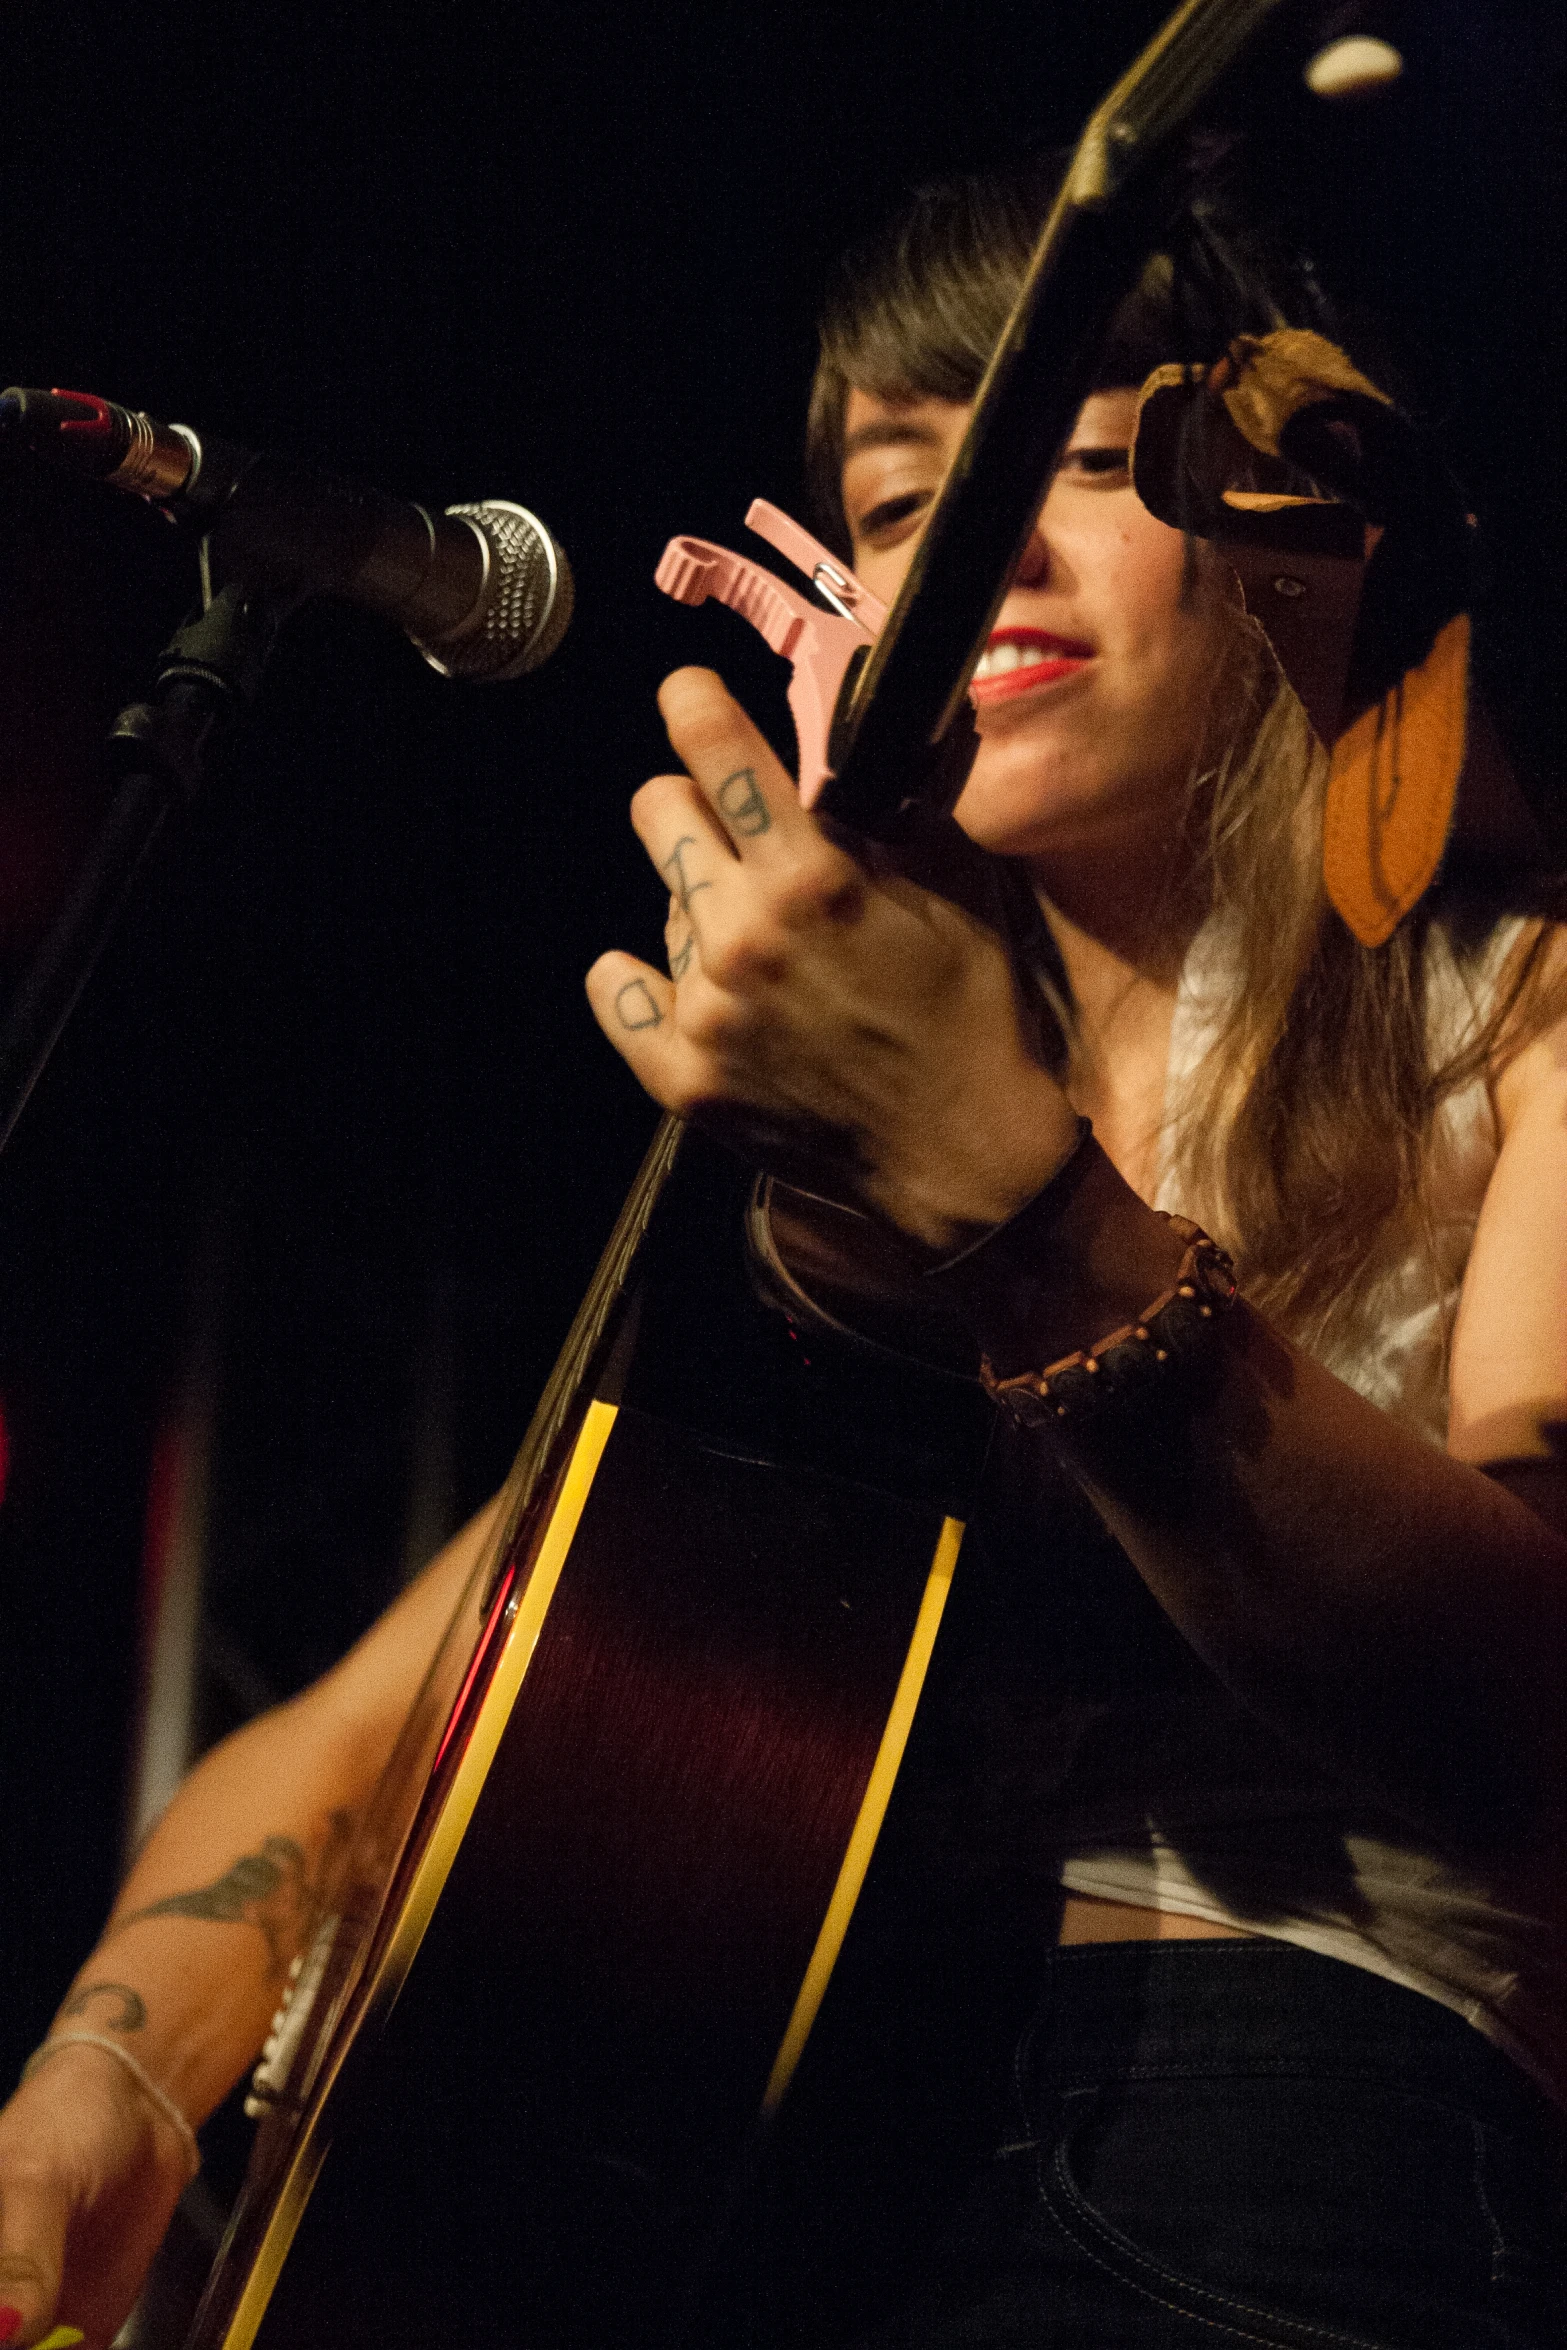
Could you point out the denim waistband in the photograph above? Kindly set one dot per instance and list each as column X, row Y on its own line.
column 1139, row 2010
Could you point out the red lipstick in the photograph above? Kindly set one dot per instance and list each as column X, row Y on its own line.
column 1020, row 660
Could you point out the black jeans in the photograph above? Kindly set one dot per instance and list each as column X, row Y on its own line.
column 1239, row 2142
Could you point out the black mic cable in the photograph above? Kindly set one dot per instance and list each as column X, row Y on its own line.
column 484, row 590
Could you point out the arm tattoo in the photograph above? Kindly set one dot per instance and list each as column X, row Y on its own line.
column 133, row 2011
column 741, row 805
column 635, row 1006
column 674, row 866
column 267, row 1889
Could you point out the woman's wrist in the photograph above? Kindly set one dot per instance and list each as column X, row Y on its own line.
column 954, row 1182
column 77, row 2044
column 125, row 2078
column 1082, row 1257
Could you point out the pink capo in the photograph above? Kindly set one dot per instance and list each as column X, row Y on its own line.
column 819, row 644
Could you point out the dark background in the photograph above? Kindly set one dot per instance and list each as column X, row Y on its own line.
column 332, row 1142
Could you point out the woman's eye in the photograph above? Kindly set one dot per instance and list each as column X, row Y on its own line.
column 1096, row 464
column 884, row 521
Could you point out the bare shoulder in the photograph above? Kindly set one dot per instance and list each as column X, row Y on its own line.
column 1531, row 1064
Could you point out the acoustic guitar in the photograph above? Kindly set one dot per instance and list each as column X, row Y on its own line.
column 581, row 1943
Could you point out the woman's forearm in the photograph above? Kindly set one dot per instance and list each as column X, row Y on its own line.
column 188, row 1971
column 1394, row 1611
column 189, row 1968
column 175, row 2001
column 1390, row 1608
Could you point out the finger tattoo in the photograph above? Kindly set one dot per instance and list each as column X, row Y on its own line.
column 680, row 956
column 674, row 866
column 635, row 1006
column 741, row 805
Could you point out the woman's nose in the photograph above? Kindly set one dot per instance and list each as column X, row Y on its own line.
column 1034, row 564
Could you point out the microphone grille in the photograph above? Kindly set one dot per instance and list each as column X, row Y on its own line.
column 526, row 605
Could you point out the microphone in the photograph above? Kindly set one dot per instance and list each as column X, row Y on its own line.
column 483, row 590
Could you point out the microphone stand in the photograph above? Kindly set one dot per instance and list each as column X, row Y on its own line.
column 204, row 683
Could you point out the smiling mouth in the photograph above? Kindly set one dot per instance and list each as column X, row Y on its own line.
column 1019, row 660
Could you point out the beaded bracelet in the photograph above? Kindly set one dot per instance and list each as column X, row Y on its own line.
column 1175, row 1331
column 156, row 2097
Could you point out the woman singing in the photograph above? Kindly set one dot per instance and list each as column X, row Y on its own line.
column 1291, row 1790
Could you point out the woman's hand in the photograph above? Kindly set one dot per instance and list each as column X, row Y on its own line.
column 840, row 1026
column 90, row 2173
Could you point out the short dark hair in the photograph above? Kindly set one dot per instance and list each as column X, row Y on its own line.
column 915, row 309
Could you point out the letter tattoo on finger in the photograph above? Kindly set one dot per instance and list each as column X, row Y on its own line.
column 680, row 956
column 635, row 1007
column 741, row 805
column 674, row 867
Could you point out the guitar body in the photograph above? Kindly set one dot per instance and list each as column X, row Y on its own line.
column 652, row 1797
